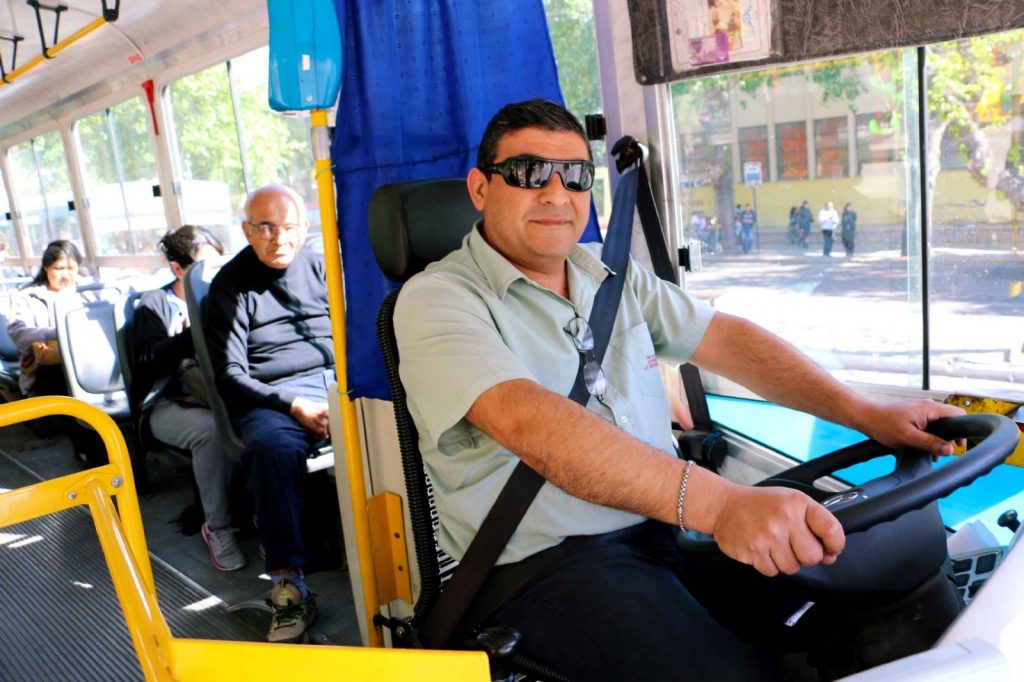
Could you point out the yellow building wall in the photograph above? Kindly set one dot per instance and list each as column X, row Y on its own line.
column 878, row 199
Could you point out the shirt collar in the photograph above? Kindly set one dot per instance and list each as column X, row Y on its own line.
column 500, row 273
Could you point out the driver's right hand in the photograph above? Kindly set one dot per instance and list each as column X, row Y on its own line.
column 777, row 530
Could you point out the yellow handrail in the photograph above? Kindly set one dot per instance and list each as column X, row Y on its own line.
column 336, row 301
column 162, row 657
column 63, row 493
column 56, row 49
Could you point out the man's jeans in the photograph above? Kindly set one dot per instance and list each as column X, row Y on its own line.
column 274, row 464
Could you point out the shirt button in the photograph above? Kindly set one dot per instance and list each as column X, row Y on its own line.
column 624, row 420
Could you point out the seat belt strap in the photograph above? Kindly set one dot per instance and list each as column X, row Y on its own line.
column 666, row 270
column 523, row 485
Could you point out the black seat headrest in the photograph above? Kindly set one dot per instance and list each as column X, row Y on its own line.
column 413, row 224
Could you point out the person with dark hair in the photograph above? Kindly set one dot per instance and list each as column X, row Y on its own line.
column 804, row 222
column 169, row 395
column 270, row 344
column 33, row 328
column 848, row 228
column 491, row 339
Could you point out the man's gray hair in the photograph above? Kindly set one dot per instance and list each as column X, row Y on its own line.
column 300, row 205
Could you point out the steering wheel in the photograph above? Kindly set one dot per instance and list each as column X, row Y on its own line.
column 863, row 510
column 889, row 577
column 913, row 483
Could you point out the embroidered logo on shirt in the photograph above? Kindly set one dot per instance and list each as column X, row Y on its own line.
column 652, row 362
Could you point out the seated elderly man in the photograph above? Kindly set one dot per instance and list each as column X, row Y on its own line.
column 270, row 344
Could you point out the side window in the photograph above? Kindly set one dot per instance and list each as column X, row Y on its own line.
column 229, row 142
column 975, row 119
column 8, row 244
column 897, row 301
column 571, row 25
column 120, row 173
column 209, row 161
column 860, row 316
column 40, row 178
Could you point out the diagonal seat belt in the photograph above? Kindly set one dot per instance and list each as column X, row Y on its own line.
column 524, row 484
column 703, row 443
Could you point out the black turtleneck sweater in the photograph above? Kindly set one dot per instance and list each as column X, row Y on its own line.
column 266, row 326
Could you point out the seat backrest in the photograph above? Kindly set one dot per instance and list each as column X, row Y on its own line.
column 197, row 287
column 8, row 351
column 124, row 316
column 9, row 369
column 411, row 225
column 87, row 337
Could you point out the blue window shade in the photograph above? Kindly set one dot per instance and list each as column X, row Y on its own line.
column 803, row 437
column 421, row 80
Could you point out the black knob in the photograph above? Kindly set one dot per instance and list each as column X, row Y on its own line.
column 1008, row 519
column 499, row 641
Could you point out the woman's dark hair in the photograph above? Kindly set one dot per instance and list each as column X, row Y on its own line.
column 181, row 245
column 533, row 113
column 52, row 253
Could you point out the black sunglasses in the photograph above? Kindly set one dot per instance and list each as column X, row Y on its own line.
column 531, row 172
column 593, row 376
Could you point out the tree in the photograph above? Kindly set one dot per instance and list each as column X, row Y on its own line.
column 571, row 24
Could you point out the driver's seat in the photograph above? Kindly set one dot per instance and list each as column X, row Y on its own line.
column 412, row 225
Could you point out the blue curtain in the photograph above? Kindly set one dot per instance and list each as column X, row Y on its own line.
column 421, row 80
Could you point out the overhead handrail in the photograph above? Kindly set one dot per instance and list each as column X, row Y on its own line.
column 14, row 39
column 109, row 15
column 56, row 9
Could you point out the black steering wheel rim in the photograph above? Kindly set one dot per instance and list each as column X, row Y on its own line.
column 857, row 513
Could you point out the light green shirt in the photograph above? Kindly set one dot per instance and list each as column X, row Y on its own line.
column 472, row 321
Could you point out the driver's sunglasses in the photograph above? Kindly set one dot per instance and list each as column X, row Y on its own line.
column 531, row 172
column 593, row 376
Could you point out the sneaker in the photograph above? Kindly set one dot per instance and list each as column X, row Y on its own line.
column 224, row 552
column 292, row 615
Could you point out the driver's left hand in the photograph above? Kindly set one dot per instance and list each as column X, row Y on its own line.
column 903, row 424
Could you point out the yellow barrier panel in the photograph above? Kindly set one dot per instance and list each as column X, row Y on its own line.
column 214, row 660
column 162, row 657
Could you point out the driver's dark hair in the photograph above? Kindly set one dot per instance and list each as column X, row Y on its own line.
column 533, row 113
column 181, row 245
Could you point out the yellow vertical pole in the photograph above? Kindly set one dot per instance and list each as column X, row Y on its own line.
column 336, row 300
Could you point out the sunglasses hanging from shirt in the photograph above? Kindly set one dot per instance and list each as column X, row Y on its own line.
column 524, row 484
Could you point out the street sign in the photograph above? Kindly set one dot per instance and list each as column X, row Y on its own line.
column 752, row 174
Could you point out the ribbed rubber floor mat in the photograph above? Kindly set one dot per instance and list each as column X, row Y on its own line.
column 59, row 614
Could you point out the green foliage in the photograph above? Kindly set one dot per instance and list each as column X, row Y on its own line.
column 571, row 24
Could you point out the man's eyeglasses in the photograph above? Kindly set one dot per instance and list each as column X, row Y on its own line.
column 530, row 172
column 593, row 376
column 266, row 230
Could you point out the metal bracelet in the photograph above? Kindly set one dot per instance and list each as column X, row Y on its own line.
column 682, row 496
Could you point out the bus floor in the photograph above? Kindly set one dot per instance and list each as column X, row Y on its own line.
column 196, row 599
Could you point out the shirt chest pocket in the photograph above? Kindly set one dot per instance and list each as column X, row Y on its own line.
column 632, row 363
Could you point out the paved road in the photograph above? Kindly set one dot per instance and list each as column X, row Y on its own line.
column 862, row 316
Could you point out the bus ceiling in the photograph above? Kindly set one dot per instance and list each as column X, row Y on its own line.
column 676, row 40
column 106, row 56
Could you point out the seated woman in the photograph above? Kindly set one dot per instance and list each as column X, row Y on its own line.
column 169, row 389
column 32, row 327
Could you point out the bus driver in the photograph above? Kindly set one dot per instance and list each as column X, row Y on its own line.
column 488, row 357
